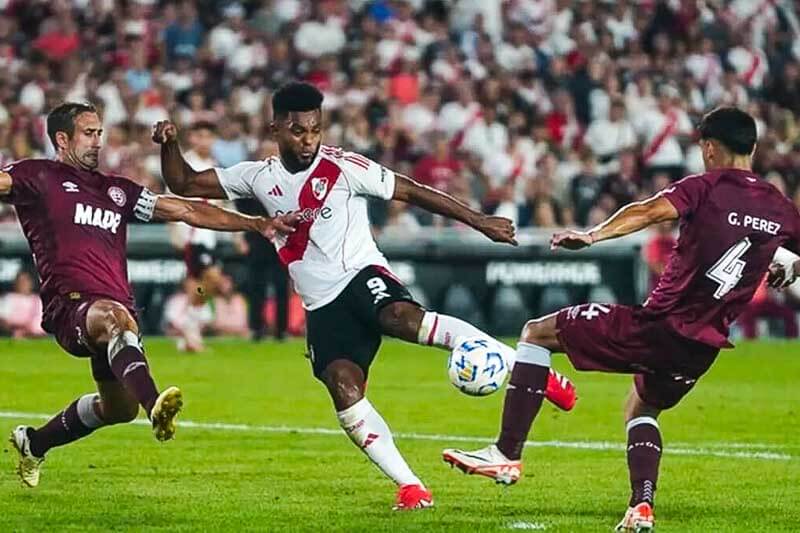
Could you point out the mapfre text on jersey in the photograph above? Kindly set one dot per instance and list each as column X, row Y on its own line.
column 309, row 214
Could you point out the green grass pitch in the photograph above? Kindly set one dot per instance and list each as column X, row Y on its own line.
column 731, row 461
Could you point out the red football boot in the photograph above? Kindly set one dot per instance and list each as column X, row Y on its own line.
column 560, row 391
column 411, row 497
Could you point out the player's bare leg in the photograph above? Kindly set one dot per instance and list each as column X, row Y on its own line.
column 524, row 394
column 408, row 321
column 644, row 456
column 109, row 325
column 366, row 428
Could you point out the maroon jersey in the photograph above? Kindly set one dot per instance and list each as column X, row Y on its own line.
column 76, row 225
column 732, row 221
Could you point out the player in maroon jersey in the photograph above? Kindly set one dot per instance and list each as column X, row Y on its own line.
column 731, row 224
column 75, row 220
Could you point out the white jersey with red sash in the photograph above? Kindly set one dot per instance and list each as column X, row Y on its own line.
column 750, row 64
column 660, row 131
column 333, row 240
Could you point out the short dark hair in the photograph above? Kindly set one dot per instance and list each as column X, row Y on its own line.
column 296, row 96
column 62, row 118
column 734, row 128
column 203, row 125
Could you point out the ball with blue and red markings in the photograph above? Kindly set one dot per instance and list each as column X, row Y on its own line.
column 477, row 367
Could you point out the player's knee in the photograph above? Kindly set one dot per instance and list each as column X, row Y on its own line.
column 401, row 320
column 119, row 319
column 635, row 407
column 537, row 332
column 107, row 319
column 345, row 383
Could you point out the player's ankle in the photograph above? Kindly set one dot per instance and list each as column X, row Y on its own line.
column 509, row 450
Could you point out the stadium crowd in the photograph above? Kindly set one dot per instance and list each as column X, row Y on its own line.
column 549, row 112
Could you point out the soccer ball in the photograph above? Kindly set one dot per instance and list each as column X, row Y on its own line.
column 477, row 367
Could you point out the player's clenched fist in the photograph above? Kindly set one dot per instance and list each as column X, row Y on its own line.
column 499, row 229
column 164, row 131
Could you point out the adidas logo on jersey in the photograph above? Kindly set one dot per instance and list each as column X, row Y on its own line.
column 87, row 215
column 276, row 191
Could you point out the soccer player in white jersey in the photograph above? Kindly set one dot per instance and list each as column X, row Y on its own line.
column 350, row 295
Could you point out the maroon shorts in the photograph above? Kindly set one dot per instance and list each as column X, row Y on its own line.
column 618, row 338
column 65, row 318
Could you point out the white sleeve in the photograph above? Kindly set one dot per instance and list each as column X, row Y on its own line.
column 237, row 181
column 368, row 177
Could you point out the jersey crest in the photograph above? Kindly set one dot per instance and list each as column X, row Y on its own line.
column 319, row 186
column 117, row 196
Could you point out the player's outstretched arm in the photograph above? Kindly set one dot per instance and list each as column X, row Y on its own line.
column 498, row 229
column 181, row 178
column 204, row 215
column 629, row 219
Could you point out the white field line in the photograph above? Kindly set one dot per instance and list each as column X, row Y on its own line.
column 707, row 449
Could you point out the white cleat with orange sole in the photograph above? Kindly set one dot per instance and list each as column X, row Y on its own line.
column 638, row 519
column 489, row 462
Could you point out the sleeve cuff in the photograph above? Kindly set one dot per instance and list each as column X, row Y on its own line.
column 145, row 206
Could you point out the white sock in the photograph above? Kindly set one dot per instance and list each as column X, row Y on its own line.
column 369, row 432
column 86, row 412
column 532, row 354
column 443, row 330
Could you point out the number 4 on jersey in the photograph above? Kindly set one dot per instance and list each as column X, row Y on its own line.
column 727, row 271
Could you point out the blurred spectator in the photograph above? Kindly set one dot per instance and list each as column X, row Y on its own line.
column 585, row 188
column 503, row 82
column 658, row 250
column 766, row 304
column 662, row 128
column 184, row 36
column 187, row 315
column 607, row 137
column 322, row 34
column 198, row 245
column 21, row 309
column 264, row 272
column 230, row 147
column 439, row 168
column 230, row 311
column 399, row 221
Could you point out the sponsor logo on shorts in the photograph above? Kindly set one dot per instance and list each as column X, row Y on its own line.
column 117, row 196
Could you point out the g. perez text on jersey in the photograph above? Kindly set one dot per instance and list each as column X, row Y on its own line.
column 756, row 223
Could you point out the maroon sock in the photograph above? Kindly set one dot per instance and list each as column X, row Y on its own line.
column 63, row 428
column 130, row 368
column 524, row 395
column 644, row 455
